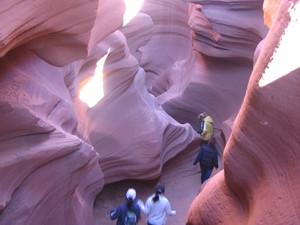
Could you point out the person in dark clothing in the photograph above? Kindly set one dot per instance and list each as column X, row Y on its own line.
column 129, row 212
column 208, row 159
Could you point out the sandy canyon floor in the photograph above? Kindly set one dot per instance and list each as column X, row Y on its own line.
column 182, row 183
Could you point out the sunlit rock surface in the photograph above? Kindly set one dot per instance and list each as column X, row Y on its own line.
column 270, row 11
column 261, row 170
column 128, row 128
column 172, row 61
column 138, row 33
column 54, row 149
column 49, row 175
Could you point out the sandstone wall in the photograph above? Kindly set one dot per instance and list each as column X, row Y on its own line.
column 163, row 68
column 259, row 184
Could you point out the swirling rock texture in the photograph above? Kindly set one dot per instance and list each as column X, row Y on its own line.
column 173, row 60
column 48, row 174
column 259, row 184
column 44, row 165
column 220, row 34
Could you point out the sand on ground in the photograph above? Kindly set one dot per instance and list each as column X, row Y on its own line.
column 182, row 185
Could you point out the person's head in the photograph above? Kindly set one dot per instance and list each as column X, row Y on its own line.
column 159, row 189
column 130, row 196
column 202, row 115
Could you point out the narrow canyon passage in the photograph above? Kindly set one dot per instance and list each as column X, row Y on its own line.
column 63, row 161
column 182, row 182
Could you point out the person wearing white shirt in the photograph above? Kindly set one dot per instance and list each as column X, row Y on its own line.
column 157, row 207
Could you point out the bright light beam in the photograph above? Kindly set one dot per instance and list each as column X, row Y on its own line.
column 132, row 8
column 285, row 57
column 92, row 92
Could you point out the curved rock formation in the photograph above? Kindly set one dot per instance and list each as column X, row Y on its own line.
column 43, row 163
column 227, row 29
column 259, row 184
column 161, row 70
column 132, row 133
column 170, row 43
column 41, row 132
column 49, row 175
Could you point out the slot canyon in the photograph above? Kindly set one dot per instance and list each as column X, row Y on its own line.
column 96, row 98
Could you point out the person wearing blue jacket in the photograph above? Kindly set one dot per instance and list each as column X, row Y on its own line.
column 129, row 212
column 208, row 159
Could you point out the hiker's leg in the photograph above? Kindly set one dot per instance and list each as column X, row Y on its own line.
column 202, row 168
column 205, row 174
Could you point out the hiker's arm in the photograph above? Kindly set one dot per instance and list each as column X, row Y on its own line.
column 198, row 157
column 115, row 213
column 141, row 205
column 147, row 206
column 169, row 210
column 138, row 213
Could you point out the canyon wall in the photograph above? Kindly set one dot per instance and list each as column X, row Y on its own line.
column 259, row 182
column 174, row 60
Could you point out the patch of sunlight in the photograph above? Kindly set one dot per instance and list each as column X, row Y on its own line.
column 92, row 87
column 285, row 58
column 132, row 8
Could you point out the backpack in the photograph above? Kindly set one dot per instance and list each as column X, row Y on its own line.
column 207, row 157
column 130, row 218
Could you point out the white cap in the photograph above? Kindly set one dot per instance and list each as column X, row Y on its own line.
column 131, row 193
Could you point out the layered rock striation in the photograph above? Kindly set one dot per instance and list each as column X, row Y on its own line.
column 259, row 184
column 174, row 60
column 227, row 29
